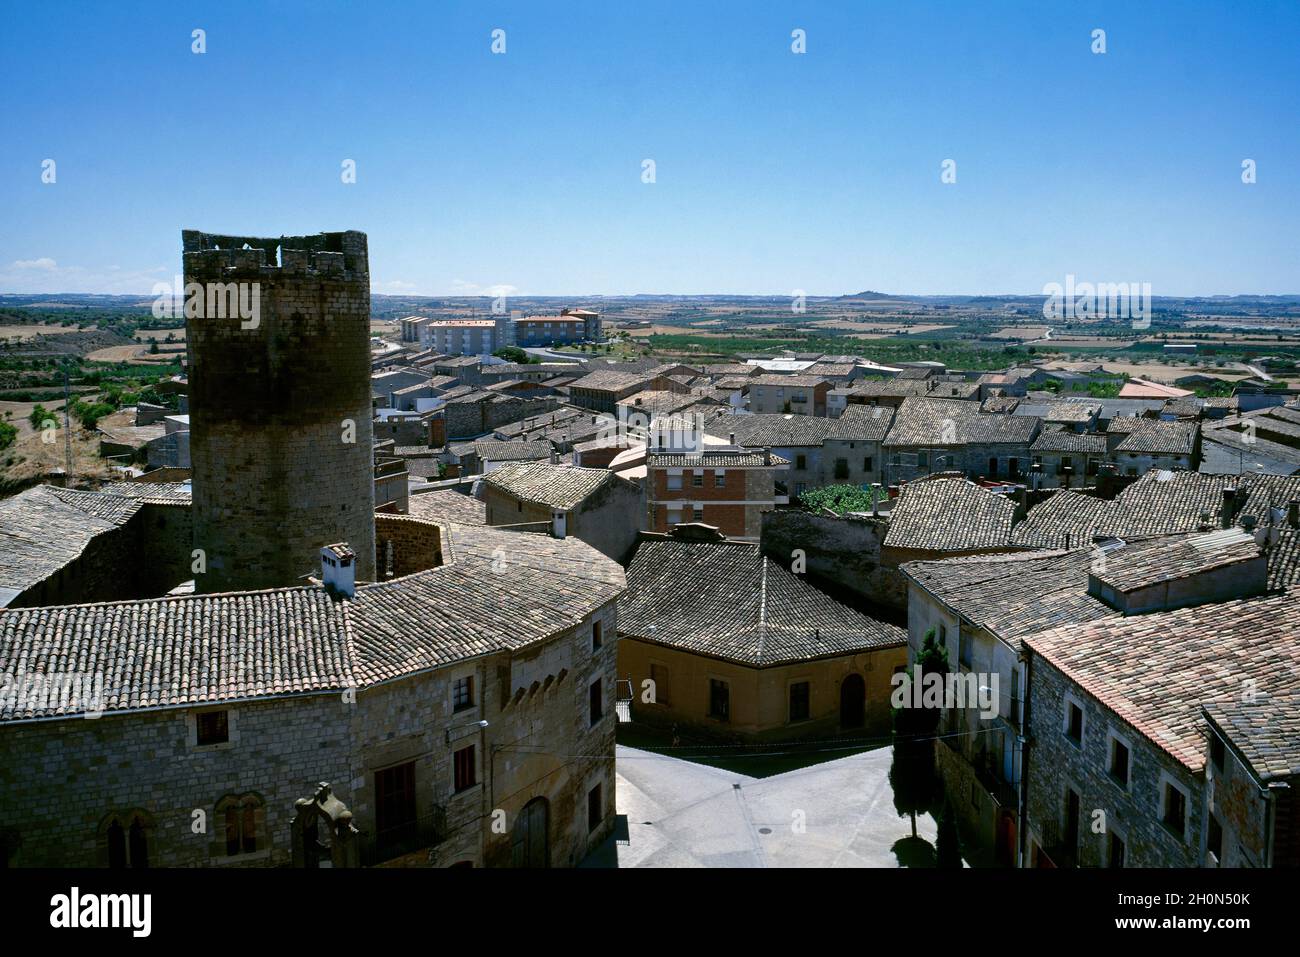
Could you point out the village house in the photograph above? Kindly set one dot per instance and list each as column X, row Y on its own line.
column 1137, row 445
column 729, row 641
column 802, row 394
column 593, row 505
column 1065, row 459
column 795, row 438
column 1117, row 724
column 931, row 435
column 851, row 452
column 978, row 609
column 946, row 516
column 421, row 719
column 726, row 486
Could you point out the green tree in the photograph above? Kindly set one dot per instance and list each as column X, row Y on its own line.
column 912, row 775
column 947, row 851
column 38, row 416
column 8, row 434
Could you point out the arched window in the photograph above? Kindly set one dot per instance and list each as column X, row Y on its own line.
column 124, row 839
column 243, row 820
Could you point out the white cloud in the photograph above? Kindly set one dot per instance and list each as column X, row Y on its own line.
column 45, row 262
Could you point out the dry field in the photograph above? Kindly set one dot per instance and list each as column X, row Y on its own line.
column 26, row 332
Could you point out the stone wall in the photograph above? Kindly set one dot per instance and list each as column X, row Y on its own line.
column 1132, row 812
column 405, row 545
column 844, row 550
column 281, row 433
column 62, row 782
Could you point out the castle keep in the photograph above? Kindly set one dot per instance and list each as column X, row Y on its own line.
column 281, row 430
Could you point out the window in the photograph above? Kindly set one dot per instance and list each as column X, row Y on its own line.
column 1116, row 856
column 394, row 806
column 922, row 460
column 463, row 761
column 597, row 702
column 1071, row 828
column 943, row 634
column 719, row 479
column 799, row 696
column 1119, row 762
column 801, row 461
column 595, row 808
column 697, row 513
column 841, row 469
column 659, row 676
column 462, row 693
column 241, row 816
column 674, row 482
column 1214, row 838
column 127, row 845
column 719, row 699
column 993, row 467
column 1074, row 722
column 595, row 636
column 866, row 464
column 1217, row 753
column 966, row 648
column 1175, row 813
column 697, row 480
column 213, row 727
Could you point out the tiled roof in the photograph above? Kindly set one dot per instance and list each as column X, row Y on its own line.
column 1073, row 412
column 1063, row 441
column 1014, row 595
column 726, row 600
column 1000, row 403
column 1161, row 502
column 43, row 529
column 949, row 514
column 1126, row 565
column 862, row 423
column 1265, row 731
column 711, row 458
column 772, row 429
column 931, row 421
column 152, row 493
column 1168, row 438
column 512, row 451
column 612, row 381
column 1284, row 559
column 559, row 487
column 792, row 381
column 447, row 505
column 1154, row 671
column 502, row 590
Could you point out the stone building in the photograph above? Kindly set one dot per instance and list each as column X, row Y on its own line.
column 800, row 394
column 1063, row 458
column 1117, row 774
column 931, row 435
column 798, row 439
column 851, row 452
column 736, row 644
column 1137, row 445
column 434, row 708
column 593, row 505
column 280, row 405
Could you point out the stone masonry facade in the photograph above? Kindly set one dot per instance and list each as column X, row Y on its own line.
column 281, row 431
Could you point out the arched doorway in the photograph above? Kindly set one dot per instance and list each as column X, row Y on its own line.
column 853, row 701
column 531, row 846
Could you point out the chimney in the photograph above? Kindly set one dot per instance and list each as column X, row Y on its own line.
column 731, row 440
column 338, row 567
column 1229, row 502
column 1293, row 513
column 875, row 499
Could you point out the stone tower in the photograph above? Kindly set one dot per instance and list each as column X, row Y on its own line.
column 278, row 338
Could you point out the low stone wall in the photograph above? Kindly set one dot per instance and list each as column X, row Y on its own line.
column 841, row 549
column 405, row 545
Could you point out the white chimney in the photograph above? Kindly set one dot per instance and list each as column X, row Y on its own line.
column 338, row 567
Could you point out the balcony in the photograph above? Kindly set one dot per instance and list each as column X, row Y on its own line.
column 424, row 832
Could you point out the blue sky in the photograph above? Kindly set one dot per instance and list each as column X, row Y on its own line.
column 774, row 171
